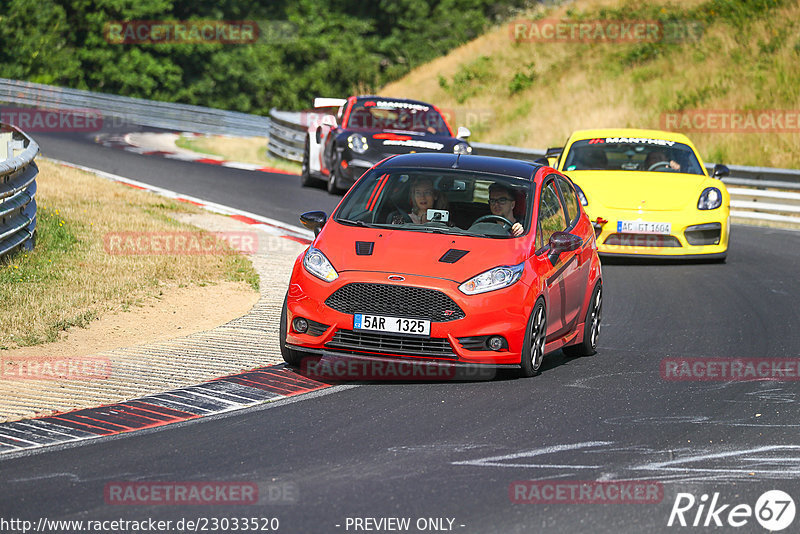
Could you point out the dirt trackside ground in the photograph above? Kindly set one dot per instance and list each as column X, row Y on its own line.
column 174, row 313
column 82, row 267
column 164, row 341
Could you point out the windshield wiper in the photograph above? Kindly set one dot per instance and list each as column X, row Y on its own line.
column 356, row 223
column 439, row 230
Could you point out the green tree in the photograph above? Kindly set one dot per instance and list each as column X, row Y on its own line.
column 325, row 47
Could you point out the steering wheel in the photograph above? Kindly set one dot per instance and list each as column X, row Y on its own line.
column 656, row 165
column 499, row 218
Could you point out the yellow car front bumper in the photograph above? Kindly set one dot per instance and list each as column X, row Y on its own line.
column 693, row 233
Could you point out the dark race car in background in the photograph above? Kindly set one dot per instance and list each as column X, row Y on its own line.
column 360, row 131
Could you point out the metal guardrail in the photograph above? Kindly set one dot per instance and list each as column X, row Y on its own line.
column 167, row 115
column 767, row 205
column 767, row 199
column 18, row 173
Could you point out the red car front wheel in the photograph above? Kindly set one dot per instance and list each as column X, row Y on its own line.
column 535, row 335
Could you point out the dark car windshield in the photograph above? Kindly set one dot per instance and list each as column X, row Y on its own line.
column 380, row 114
column 438, row 201
column 631, row 154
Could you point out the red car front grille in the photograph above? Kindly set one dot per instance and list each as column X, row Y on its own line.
column 395, row 301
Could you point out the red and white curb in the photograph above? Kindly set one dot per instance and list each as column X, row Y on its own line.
column 123, row 142
column 226, row 394
column 271, row 226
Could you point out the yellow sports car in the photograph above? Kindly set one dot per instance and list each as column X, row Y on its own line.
column 647, row 193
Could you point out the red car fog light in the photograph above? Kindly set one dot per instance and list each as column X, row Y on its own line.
column 300, row 325
column 496, row 343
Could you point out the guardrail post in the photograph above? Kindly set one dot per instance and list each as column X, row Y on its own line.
column 287, row 135
column 17, row 191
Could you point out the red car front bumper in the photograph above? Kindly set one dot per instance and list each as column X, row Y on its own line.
column 496, row 313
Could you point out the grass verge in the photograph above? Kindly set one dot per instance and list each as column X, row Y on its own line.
column 242, row 149
column 69, row 279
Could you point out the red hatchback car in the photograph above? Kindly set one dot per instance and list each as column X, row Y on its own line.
column 448, row 259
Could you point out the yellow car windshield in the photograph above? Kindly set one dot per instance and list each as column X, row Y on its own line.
column 631, row 154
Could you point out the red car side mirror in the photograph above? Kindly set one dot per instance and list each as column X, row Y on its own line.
column 563, row 242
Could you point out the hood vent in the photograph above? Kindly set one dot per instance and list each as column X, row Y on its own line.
column 364, row 248
column 453, row 255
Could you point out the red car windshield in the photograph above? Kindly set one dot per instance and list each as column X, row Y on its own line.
column 458, row 202
column 631, row 154
column 396, row 115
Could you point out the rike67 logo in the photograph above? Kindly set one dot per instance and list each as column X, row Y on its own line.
column 774, row 510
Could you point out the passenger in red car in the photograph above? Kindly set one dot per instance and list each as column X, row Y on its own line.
column 423, row 198
column 502, row 203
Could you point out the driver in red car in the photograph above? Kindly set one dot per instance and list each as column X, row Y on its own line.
column 502, row 203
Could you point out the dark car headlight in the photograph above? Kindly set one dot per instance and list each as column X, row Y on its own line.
column 357, row 143
column 710, row 199
column 317, row 264
column 462, row 148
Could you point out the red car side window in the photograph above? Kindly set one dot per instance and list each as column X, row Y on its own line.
column 570, row 199
column 551, row 213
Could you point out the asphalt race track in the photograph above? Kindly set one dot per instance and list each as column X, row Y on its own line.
column 452, row 450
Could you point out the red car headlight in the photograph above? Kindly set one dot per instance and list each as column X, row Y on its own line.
column 493, row 279
column 317, row 264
